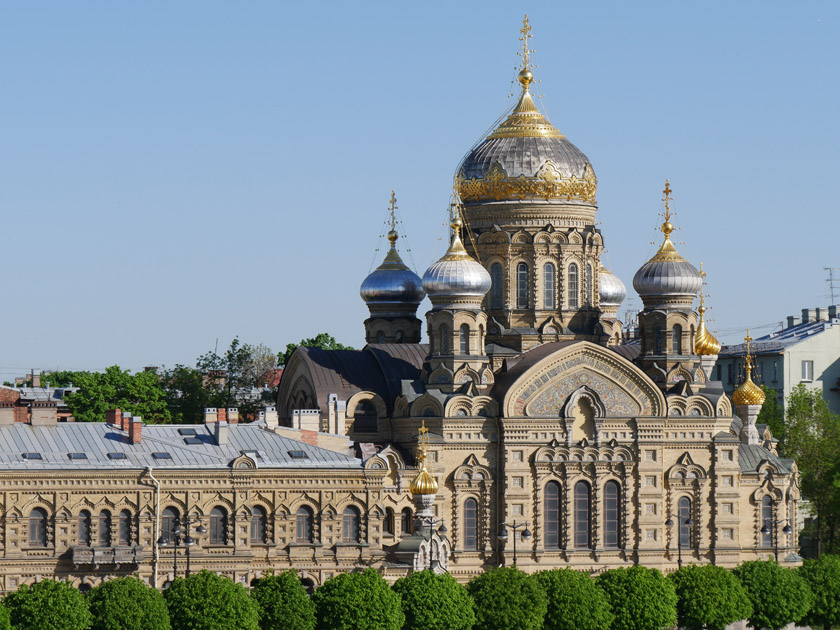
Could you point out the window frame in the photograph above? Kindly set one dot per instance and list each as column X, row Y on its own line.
column 218, row 534
column 85, row 525
column 104, row 523
column 38, row 520
column 497, row 287
column 573, row 298
column 258, row 530
column 470, row 509
column 549, row 286
column 304, row 526
column 351, row 525
column 553, row 515
column 612, row 515
column 124, row 528
column 583, row 515
column 522, row 293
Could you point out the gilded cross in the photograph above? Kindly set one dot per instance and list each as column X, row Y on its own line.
column 666, row 197
column 748, row 339
column 526, row 35
column 392, row 206
column 703, row 281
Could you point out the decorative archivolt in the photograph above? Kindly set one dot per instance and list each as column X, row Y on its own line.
column 442, row 375
column 471, row 406
column 472, row 473
column 374, row 398
column 557, row 454
column 521, row 237
column 685, row 471
column 427, row 405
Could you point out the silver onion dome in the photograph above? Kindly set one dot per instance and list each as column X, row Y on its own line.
column 456, row 277
column 392, row 282
column 612, row 289
column 667, row 277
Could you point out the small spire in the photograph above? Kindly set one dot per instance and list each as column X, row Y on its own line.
column 702, row 308
column 748, row 341
column 748, row 393
column 667, row 226
column 705, row 342
column 423, row 442
column 525, row 77
column 392, row 207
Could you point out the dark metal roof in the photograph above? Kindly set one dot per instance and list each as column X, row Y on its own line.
column 517, row 366
column 751, row 456
column 776, row 342
column 629, row 351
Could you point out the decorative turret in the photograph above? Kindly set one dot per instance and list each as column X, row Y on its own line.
column 706, row 346
column 392, row 292
column 748, row 399
column 423, row 484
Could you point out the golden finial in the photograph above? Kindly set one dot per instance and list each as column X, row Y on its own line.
column 525, row 74
column 702, row 307
column 423, row 483
column 667, row 226
column 748, row 393
column 748, row 341
column 392, row 207
column 705, row 342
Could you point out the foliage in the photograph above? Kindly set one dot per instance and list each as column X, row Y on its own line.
column 115, row 388
column 574, row 601
column 434, row 602
column 641, row 598
column 507, row 599
column 5, row 622
column 823, row 576
column 772, row 413
column 127, row 604
column 283, row 602
column 321, row 340
column 813, row 439
column 47, row 604
column 779, row 596
column 358, row 600
column 206, row 601
column 709, row 597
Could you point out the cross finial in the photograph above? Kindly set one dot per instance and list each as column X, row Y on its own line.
column 392, row 207
column 703, row 281
column 748, row 339
column 526, row 35
column 423, row 441
column 667, row 226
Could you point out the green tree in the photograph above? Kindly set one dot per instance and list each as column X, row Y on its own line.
column 772, row 413
column 5, row 622
column 574, row 601
column 321, row 340
column 48, row 604
column 641, row 598
column 709, row 597
column 813, row 440
column 434, row 602
column 284, row 603
column 115, row 388
column 206, row 601
column 350, row 601
column 127, row 604
column 823, row 576
column 778, row 596
column 507, row 599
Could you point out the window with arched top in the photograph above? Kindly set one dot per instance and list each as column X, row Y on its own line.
column 104, row 528
column 496, row 285
column 464, row 338
column 259, row 531
column 686, row 525
column 612, row 514
column 657, row 340
column 587, row 290
column 389, row 524
column 549, row 283
column 444, row 339
column 38, row 527
column 218, row 526
column 169, row 520
column 84, row 528
column 365, row 417
column 304, row 531
column 676, row 339
column 553, row 515
column 522, row 285
column 470, row 524
column 406, row 521
column 583, row 514
column 573, row 286
column 480, row 339
column 380, row 337
column 350, row 525
column 766, row 521
column 124, row 528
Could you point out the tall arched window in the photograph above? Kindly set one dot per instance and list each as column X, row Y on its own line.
column 365, row 417
column 496, row 286
column 350, row 525
column 104, row 528
column 588, row 288
column 522, row 285
column 444, row 339
column 84, row 528
column 549, row 282
column 259, row 517
column 471, row 524
column 573, row 286
column 304, row 532
column 676, row 339
column 406, row 521
column 686, row 528
column 124, row 528
column 657, row 340
column 218, row 526
column 464, row 336
column 552, row 515
column 388, row 525
column 767, row 521
column 582, row 515
column 612, row 518
column 38, row 527
column 169, row 519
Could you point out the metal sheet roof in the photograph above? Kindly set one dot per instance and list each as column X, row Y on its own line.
column 776, row 342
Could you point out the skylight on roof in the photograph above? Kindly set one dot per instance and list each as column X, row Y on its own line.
column 77, row 455
column 116, row 455
column 161, row 455
column 192, row 440
column 186, row 431
column 298, row 455
column 32, row 456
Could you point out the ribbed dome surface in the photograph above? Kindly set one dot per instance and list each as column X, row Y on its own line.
column 612, row 289
column 525, row 156
column 667, row 278
column 423, row 483
column 456, row 275
column 392, row 282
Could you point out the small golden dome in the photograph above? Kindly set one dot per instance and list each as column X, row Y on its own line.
column 424, row 483
column 705, row 343
column 748, row 393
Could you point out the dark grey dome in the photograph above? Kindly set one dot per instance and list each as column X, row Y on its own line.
column 667, row 278
column 525, row 156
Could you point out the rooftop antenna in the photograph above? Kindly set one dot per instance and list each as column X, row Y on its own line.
column 832, row 283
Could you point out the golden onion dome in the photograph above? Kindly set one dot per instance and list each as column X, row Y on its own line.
column 424, row 483
column 705, row 343
column 748, row 393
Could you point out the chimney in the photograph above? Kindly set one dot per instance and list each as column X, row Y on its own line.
column 222, row 415
column 135, row 430
column 114, row 417
column 125, row 420
column 233, row 415
column 43, row 414
column 210, row 415
column 7, row 413
column 221, row 433
column 792, row 321
column 808, row 315
column 271, row 420
column 832, row 312
column 820, row 314
column 36, row 378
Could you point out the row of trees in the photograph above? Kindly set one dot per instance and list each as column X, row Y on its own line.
column 180, row 394
column 637, row 598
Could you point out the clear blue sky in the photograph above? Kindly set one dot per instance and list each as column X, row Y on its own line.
column 173, row 173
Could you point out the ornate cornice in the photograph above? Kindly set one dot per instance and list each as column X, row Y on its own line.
column 547, row 183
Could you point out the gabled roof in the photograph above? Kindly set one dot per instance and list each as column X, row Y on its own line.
column 778, row 341
column 751, row 456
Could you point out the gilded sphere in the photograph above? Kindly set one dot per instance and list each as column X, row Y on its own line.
column 667, row 227
column 526, row 77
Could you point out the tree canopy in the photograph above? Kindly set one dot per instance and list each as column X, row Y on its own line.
column 772, row 413
column 778, row 596
column 321, row 340
column 126, row 603
column 709, row 597
column 358, row 600
column 434, row 602
column 641, row 598
column 574, row 601
column 507, row 599
column 283, row 602
column 48, row 604
column 823, row 576
column 206, row 601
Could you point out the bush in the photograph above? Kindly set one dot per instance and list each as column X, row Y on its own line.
column 823, row 576
column 127, row 604
column 641, row 598
column 5, row 623
column 358, row 600
column 206, row 601
column 574, row 601
column 434, row 602
column 778, row 596
column 507, row 599
column 47, row 604
column 283, row 603
column 709, row 597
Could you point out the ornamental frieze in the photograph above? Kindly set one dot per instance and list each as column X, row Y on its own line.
column 548, row 183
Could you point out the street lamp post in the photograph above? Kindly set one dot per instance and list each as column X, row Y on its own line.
column 503, row 535
column 669, row 524
column 765, row 529
column 181, row 536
